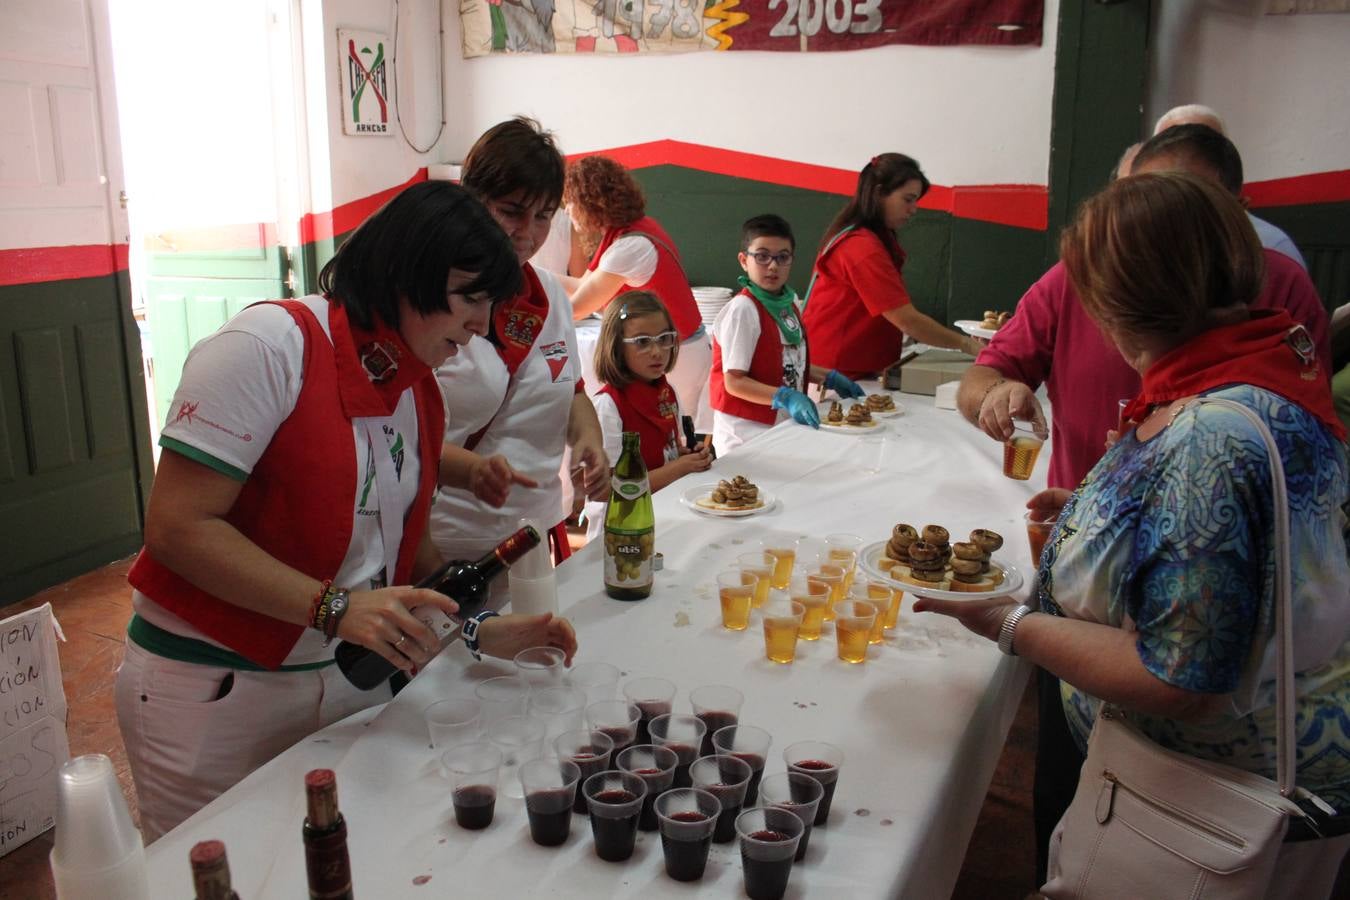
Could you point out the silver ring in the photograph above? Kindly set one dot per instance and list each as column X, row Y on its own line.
column 402, row 639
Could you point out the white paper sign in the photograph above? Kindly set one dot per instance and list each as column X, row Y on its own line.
column 32, row 726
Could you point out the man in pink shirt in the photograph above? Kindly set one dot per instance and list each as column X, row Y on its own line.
column 1052, row 341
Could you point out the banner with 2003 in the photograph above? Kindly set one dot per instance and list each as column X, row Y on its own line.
column 677, row 26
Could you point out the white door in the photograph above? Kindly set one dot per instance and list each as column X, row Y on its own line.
column 74, row 450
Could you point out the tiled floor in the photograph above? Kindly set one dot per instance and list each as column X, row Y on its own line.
column 93, row 611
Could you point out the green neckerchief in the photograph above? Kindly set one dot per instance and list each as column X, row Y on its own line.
column 782, row 307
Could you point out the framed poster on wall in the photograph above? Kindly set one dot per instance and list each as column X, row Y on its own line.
column 364, row 71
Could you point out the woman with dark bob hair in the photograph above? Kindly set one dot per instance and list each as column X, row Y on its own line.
column 518, row 395
column 635, row 254
column 290, row 505
column 858, row 309
column 1156, row 589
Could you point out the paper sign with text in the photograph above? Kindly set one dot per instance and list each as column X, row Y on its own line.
column 32, row 726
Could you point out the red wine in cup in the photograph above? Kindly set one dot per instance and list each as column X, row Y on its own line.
column 589, row 764
column 828, row 776
column 550, row 815
column 756, row 764
column 614, row 837
column 725, row 832
column 474, row 806
column 714, row 719
column 647, row 820
column 685, row 754
column 766, row 879
column 686, row 859
column 621, row 737
column 799, row 810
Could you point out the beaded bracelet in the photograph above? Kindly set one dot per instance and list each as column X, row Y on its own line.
column 985, row 396
column 317, row 603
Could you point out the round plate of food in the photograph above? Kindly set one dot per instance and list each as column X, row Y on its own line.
column 855, row 418
column 884, row 406
column 700, row 498
column 975, row 329
column 1002, row 578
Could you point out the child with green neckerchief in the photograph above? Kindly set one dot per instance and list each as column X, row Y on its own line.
column 760, row 364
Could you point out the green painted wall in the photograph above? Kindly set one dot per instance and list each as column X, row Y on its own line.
column 75, row 463
column 1322, row 233
column 956, row 268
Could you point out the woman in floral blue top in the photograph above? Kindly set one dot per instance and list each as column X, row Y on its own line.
column 1156, row 590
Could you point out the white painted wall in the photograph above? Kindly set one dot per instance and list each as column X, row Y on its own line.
column 1281, row 83
column 970, row 115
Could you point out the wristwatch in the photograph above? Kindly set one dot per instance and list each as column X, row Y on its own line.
column 337, row 608
column 1005, row 633
column 469, row 631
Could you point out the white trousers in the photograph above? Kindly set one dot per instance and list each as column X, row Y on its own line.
column 187, row 744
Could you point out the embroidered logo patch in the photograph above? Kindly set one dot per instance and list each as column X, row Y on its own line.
column 521, row 327
column 555, row 354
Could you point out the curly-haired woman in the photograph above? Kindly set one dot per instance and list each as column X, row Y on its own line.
column 635, row 253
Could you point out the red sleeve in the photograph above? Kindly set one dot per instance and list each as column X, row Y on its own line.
column 1023, row 348
column 861, row 260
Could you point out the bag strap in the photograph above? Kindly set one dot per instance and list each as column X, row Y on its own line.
column 1284, row 612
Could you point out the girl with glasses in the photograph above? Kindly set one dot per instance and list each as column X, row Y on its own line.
column 638, row 345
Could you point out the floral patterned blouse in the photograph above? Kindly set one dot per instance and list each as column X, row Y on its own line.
column 1172, row 539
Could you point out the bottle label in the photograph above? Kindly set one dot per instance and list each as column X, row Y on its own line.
column 629, row 489
column 436, row 620
column 628, row 558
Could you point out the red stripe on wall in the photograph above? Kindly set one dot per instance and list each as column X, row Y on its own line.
column 1018, row 205
column 29, row 265
column 1321, row 187
column 328, row 225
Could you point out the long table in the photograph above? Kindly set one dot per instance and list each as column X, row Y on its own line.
column 922, row 722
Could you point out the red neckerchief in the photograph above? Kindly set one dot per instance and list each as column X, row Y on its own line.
column 1269, row 350
column 649, row 408
column 517, row 322
column 374, row 367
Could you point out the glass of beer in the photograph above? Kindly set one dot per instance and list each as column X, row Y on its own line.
column 843, row 550
column 1039, row 525
column 814, row 596
column 821, row 569
column 893, row 612
column 783, row 551
column 737, row 592
column 782, row 620
column 1020, row 452
column 879, row 595
column 759, row 565
column 853, row 628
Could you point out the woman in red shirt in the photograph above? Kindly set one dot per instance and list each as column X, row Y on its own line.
column 857, row 308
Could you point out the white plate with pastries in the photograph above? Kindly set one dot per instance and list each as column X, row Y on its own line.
column 896, row 408
column 699, row 499
column 1004, row 577
column 843, row 427
column 975, row 329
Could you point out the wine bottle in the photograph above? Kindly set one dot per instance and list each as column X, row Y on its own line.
column 467, row 583
column 325, row 835
column 211, row 871
column 630, row 526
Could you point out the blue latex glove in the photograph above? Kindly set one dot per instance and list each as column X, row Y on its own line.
column 844, row 386
column 798, row 405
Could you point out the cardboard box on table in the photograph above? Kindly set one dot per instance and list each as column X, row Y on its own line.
column 923, row 372
column 33, row 743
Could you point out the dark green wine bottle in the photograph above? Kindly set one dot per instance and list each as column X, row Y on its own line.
column 630, row 526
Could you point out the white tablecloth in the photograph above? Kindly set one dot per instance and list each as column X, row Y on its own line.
column 922, row 722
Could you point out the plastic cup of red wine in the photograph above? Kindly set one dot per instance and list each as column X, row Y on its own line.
column 718, row 705
column 750, row 743
column 822, row 762
column 654, row 765
column 726, row 778
column 684, row 735
column 615, row 801
column 796, row 792
column 589, row 750
column 550, row 786
column 654, row 697
column 687, row 818
column 616, row 718
column 472, row 769
column 769, row 839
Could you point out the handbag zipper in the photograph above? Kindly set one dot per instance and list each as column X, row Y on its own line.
column 1193, row 822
